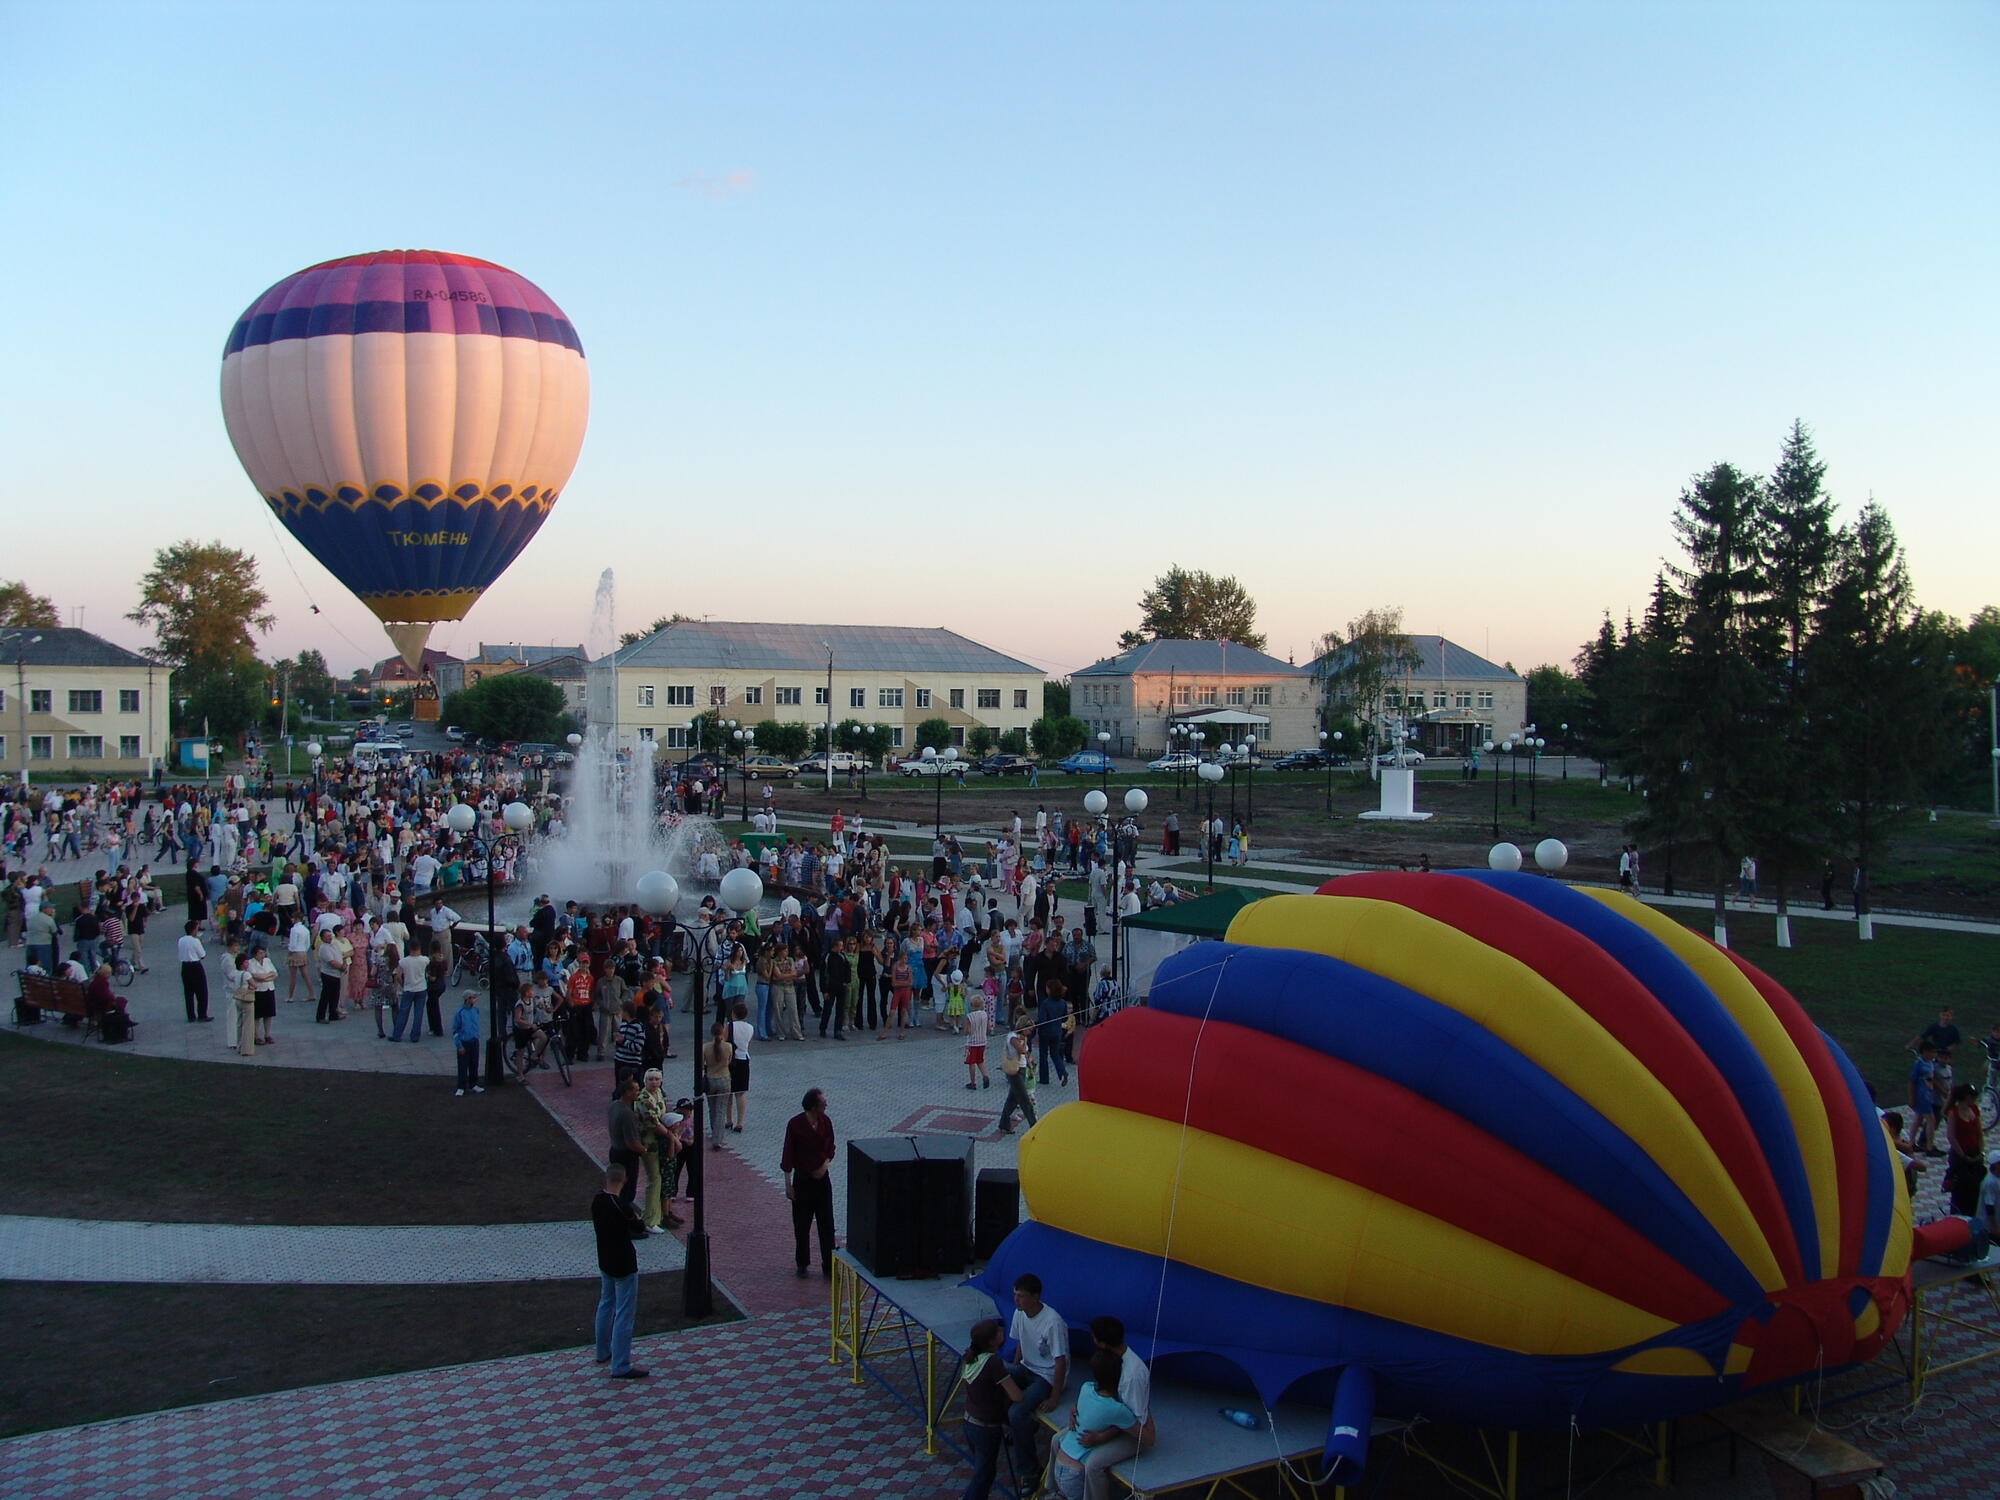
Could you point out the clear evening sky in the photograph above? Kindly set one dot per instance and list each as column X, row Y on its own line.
column 981, row 315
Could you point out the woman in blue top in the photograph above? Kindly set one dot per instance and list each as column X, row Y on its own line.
column 1098, row 1411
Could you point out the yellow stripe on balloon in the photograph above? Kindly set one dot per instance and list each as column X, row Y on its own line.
column 1149, row 1185
column 1804, row 1104
column 1902, row 1220
column 1535, row 1018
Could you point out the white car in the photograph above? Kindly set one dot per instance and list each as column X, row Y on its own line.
column 454, row 733
column 843, row 762
column 1177, row 760
column 1400, row 757
column 936, row 765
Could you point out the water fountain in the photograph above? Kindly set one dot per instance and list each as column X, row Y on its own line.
column 602, row 637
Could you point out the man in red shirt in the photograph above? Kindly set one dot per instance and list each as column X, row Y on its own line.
column 807, row 1165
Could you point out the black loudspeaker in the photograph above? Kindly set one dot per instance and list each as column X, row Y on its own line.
column 945, row 1203
column 996, row 1209
column 882, row 1204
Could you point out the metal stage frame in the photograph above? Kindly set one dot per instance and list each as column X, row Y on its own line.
column 909, row 1335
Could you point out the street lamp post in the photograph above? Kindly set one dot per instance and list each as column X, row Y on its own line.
column 659, row 893
column 1250, row 780
column 1104, row 752
column 518, row 818
column 1211, row 773
column 746, row 741
column 1534, row 766
column 940, row 763
column 1565, row 751
column 1229, row 754
column 1508, row 747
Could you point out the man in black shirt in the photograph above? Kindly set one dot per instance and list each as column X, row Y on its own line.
column 626, row 1143
column 617, row 1227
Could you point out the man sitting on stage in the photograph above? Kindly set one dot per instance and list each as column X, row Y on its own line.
column 1041, row 1367
column 1113, row 1445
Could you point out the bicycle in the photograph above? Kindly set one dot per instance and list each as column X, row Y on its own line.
column 122, row 972
column 469, row 963
column 547, row 1047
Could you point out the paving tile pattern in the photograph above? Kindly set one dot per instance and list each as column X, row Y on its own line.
column 35, row 1249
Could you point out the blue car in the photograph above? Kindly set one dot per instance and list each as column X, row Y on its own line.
column 1085, row 763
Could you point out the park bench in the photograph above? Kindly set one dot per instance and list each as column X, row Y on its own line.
column 1798, row 1449
column 41, row 993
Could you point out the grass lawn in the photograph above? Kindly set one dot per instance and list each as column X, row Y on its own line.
column 189, row 1142
column 102, row 1351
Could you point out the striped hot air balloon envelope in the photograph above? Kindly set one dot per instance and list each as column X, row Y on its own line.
column 1477, row 1147
column 411, row 417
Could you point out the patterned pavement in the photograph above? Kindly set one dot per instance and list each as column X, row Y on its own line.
column 95, row 1250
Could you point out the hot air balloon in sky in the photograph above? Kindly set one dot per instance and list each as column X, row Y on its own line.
column 411, row 417
column 1476, row 1147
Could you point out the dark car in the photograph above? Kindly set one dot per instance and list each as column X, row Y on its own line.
column 1005, row 765
column 533, row 753
column 1308, row 760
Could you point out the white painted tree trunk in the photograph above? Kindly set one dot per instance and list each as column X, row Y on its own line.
column 1866, row 926
column 1784, row 930
column 1722, row 934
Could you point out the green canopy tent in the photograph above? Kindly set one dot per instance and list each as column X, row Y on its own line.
column 1145, row 940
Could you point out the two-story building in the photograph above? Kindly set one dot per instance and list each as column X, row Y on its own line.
column 1227, row 691
column 894, row 675
column 73, row 705
column 1451, row 700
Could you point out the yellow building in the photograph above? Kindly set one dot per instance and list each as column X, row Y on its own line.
column 74, row 706
column 808, row 674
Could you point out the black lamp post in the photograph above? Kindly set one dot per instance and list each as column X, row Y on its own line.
column 746, row 740
column 1508, row 746
column 1565, row 751
column 1229, row 754
column 1250, row 780
column 1534, row 765
column 1211, row 773
column 1104, row 771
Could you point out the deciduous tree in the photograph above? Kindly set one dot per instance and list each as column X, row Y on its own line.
column 1190, row 605
column 1356, row 669
column 21, row 605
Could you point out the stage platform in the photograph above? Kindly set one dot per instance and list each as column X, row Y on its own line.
column 909, row 1337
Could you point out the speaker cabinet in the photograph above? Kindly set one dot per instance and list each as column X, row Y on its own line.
column 909, row 1204
column 996, row 1209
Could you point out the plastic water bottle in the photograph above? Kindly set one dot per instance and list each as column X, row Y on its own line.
column 1242, row 1418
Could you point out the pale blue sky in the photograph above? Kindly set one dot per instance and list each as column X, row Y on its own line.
column 983, row 315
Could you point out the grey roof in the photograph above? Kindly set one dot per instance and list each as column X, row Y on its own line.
column 1193, row 658
column 698, row 644
column 529, row 655
column 1447, row 661
column 569, row 667
column 59, row 646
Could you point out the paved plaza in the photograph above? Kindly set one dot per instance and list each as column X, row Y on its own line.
column 751, row 1408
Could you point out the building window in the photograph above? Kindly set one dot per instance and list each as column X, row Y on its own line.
column 822, row 697
column 718, row 695
column 988, row 697
column 677, row 737
column 958, row 735
column 1261, row 697
column 857, row 697
column 3, row 748
column 1234, row 697
column 896, row 737
column 888, row 697
column 1462, row 700
column 1438, row 698
column 41, row 701
column 646, row 733
column 1020, row 697
column 1183, row 695
column 789, row 696
column 923, row 697
column 1204, row 695
column 86, row 747
column 684, row 696
column 128, row 747
column 1486, row 697
column 41, row 747
column 128, row 700
column 645, row 698
column 86, row 701
column 753, row 695
column 958, row 698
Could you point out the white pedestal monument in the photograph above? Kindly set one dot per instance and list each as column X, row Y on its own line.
column 1399, row 797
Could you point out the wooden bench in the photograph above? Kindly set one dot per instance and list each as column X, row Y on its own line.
column 1798, row 1448
column 40, row 992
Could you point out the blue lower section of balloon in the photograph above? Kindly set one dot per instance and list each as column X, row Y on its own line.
column 1209, row 1329
column 409, row 548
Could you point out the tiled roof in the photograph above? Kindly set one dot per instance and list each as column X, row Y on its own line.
column 696, row 644
column 1447, row 661
column 569, row 667
column 494, row 655
column 59, row 646
column 1193, row 659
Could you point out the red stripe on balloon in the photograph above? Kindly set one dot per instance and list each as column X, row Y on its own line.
column 1850, row 1146
column 1605, row 991
column 1338, row 1119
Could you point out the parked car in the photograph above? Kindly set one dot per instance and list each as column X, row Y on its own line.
column 936, row 765
column 533, row 753
column 1175, row 760
column 708, row 763
column 1309, row 760
column 763, row 767
column 843, row 762
column 1005, row 765
column 1400, row 757
column 404, row 731
column 453, row 733
column 1085, row 763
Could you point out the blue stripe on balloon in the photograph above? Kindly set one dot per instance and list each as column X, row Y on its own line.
column 1380, row 1026
column 391, row 317
column 1212, row 1328
column 1702, row 1016
column 1875, row 1151
column 357, row 546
